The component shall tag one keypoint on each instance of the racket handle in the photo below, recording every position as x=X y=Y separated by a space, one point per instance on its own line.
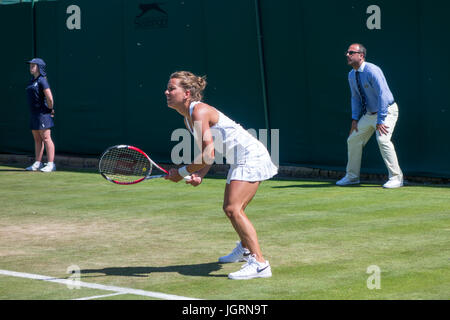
x=188 y=178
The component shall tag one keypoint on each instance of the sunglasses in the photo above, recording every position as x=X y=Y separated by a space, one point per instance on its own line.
x=352 y=52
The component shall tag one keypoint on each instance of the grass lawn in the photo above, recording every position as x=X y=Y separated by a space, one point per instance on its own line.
x=164 y=237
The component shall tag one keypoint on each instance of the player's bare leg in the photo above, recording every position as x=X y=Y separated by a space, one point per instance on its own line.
x=238 y=195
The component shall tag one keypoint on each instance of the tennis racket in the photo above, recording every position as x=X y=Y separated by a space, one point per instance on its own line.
x=126 y=165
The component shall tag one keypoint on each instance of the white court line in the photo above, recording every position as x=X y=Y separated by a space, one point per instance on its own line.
x=115 y=289
x=99 y=297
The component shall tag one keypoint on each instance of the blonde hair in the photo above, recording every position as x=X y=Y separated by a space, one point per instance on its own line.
x=190 y=82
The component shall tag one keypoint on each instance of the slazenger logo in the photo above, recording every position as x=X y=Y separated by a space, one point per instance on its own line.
x=151 y=16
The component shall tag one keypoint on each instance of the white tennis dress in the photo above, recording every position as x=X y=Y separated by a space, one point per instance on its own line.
x=248 y=158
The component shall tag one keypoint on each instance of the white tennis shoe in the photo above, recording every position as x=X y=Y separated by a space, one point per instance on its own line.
x=252 y=269
x=394 y=183
x=35 y=166
x=346 y=181
x=239 y=254
x=50 y=167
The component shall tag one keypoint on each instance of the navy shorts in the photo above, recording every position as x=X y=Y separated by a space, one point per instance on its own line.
x=41 y=121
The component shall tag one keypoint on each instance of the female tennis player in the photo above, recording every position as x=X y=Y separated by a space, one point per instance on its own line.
x=40 y=99
x=249 y=160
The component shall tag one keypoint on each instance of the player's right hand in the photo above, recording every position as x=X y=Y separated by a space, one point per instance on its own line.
x=173 y=176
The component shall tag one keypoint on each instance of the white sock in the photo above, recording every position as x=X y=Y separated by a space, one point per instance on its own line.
x=50 y=164
x=37 y=163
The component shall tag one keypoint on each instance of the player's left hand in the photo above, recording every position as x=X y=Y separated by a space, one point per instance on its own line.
x=382 y=129
x=195 y=180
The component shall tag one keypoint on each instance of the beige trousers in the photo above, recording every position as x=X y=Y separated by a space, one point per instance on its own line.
x=357 y=141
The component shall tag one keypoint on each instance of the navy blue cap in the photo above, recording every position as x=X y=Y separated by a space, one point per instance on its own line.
x=41 y=65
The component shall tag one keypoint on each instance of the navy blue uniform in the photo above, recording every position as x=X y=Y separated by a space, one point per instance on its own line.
x=40 y=113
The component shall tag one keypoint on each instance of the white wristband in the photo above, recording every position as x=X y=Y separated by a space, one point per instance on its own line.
x=183 y=172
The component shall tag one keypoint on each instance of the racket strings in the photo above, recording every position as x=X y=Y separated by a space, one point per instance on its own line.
x=125 y=165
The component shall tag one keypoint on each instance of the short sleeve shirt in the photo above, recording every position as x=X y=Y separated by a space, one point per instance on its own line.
x=36 y=96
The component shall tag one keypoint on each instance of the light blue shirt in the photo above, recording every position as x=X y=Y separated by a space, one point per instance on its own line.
x=374 y=85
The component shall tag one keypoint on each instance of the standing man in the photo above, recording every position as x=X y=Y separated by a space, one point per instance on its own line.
x=373 y=109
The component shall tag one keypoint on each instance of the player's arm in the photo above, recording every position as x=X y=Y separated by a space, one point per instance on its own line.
x=205 y=141
x=202 y=173
x=201 y=117
x=197 y=177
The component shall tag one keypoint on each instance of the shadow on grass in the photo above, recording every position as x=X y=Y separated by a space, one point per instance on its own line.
x=17 y=168
x=194 y=270
x=324 y=185
x=321 y=184
x=364 y=185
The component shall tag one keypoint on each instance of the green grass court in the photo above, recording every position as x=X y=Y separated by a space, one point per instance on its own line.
x=163 y=237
